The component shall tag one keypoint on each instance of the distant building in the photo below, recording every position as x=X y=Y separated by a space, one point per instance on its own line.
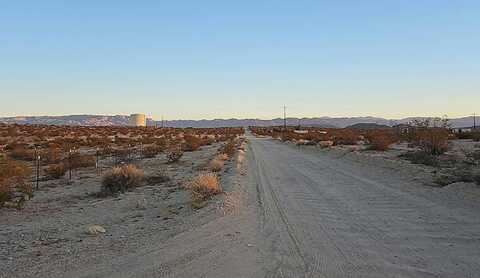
x=137 y=120
x=402 y=129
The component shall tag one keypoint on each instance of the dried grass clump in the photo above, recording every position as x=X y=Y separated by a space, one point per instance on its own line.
x=203 y=187
x=55 y=171
x=121 y=179
x=216 y=165
x=223 y=156
x=151 y=151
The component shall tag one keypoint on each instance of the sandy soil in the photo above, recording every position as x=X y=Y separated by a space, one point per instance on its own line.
x=48 y=239
x=337 y=213
x=289 y=211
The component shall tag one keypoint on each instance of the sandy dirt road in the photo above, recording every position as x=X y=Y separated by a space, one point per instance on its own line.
x=304 y=212
x=321 y=215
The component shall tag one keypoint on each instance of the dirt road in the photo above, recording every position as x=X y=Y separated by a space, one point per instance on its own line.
x=322 y=215
x=298 y=212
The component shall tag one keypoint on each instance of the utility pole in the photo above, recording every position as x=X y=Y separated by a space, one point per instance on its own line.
x=163 y=122
x=285 y=117
x=474 y=121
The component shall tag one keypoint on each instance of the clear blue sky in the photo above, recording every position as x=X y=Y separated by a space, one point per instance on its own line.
x=222 y=59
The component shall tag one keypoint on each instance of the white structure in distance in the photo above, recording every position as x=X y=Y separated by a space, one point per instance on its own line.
x=137 y=120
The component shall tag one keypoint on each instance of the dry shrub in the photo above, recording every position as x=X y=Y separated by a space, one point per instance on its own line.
x=22 y=153
x=431 y=135
x=380 y=140
x=81 y=161
x=192 y=143
x=216 y=165
x=157 y=178
x=55 y=171
x=53 y=155
x=174 y=155
x=473 y=157
x=476 y=136
x=345 y=137
x=432 y=140
x=205 y=186
x=421 y=157
x=223 y=156
x=121 y=179
x=229 y=148
x=13 y=176
x=151 y=151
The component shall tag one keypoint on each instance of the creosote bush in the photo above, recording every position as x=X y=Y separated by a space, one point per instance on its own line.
x=192 y=143
x=432 y=140
x=55 y=171
x=121 y=179
x=431 y=135
x=13 y=176
x=81 y=161
x=380 y=140
x=229 y=148
x=22 y=153
x=345 y=137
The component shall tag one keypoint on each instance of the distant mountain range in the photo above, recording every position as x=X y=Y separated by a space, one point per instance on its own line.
x=122 y=120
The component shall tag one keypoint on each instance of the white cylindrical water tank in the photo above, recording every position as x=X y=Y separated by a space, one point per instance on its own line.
x=138 y=120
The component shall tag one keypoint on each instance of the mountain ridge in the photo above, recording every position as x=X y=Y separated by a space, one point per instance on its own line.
x=122 y=120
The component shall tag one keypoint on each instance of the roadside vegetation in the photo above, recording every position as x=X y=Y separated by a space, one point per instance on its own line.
x=121 y=179
x=15 y=188
x=203 y=187
x=429 y=142
x=36 y=154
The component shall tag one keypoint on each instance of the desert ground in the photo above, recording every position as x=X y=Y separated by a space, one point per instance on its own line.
x=288 y=209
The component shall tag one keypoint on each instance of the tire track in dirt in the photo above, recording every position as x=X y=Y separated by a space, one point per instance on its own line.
x=345 y=219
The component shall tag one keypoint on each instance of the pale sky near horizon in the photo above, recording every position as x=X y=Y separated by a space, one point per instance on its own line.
x=242 y=59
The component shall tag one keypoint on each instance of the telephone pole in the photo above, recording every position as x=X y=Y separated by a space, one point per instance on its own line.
x=474 y=121
x=285 y=117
